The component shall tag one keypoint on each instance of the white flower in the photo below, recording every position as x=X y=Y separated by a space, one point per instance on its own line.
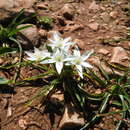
x=56 y=42
x=79 y=61
x=58 y=58
x=37 y=55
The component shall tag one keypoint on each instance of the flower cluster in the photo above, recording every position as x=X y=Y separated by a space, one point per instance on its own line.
x=61 y=55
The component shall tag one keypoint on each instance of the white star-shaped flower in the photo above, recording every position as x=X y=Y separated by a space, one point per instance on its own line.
x=79 y=61
x=56 y=42
x=38 y=55
x=58 y=58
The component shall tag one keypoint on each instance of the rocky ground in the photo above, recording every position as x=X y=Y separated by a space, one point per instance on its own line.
x=101 y=25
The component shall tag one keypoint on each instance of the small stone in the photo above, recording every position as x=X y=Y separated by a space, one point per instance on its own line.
x=1 y=61
x=42 y=32
x=28 y=37
x=3 y=75
x=95 y=129
x=42 y=5
x=119 y=56
x=102 y=8
x=101 y=125
x=103 y=51
x=114 y=14
x=73 y=27
x=94 y=60
x=16 y=59
x=9 y=111
x=70 y=23
x=67 y=11
x=71 y=119
x=98 y=91
x=58 y=95
x=22 y=124
x=10 y=7
x=105 y=16
x=80 y=43
x=93 y=6
x=94 y=26
x=110 y=71
x=129 y=44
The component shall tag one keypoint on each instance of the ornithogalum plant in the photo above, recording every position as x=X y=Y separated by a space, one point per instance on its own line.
x=67 y=66
x=61 y=55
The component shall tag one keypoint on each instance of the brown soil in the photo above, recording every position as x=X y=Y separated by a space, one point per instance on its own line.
x=41 y=117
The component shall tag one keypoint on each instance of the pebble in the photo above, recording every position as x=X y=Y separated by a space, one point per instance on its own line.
x=67 y=11
x=42 y=5
x=103 y=51
x=114 y=14
x=98 y=91
x=73 y=27
x=1 y=61
x=15 y=60
x=71 y=119
x=29 y=37
x=94 y=26
x=22 y=124
x=58 y=95
x=9 y=7
x=105 y=16
x=129 y=44
x=94 y=6
x=119 y=56
x=42 y=32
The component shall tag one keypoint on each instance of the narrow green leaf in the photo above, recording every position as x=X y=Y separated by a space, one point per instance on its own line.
x=105 y=102
x=3 y=81
x=117 y=103
x=90 y=123
x=43 y=92
x=97 y=78
x=4 y=50
x=13 y=32
x=104 y=73
x=15 y=19
x=94 y=97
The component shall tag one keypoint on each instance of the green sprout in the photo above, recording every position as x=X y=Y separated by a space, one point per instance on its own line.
x=11 y=30
x=45 y=20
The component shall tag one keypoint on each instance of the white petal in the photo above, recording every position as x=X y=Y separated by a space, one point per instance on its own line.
x=57 y=53
x=31 y=58
x=86 y=56
x=36 y=50
x=80 y=70
x=71 y=43
x=29 y=53
x=77 y=52
x=45 y=54
x=68 y=63
x=49 y=61
x=59 y=66
x=56 y=36
x=69 y=59
x=51 y=42
x=66 y=40
x=87 y=65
